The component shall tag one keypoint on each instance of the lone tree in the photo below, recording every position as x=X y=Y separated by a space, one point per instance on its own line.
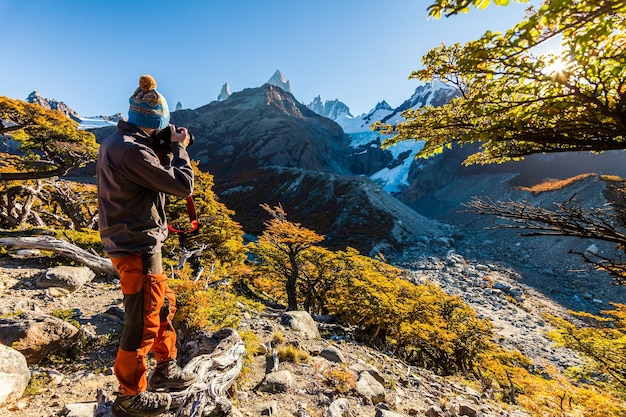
x=49 y=143
x=282 y=247
x=41 y=144
x=516 y=101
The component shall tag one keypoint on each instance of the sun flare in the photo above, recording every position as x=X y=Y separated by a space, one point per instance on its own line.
x=555 y=65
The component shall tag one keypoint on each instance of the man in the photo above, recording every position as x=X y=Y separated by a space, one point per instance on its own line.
x=132 y=186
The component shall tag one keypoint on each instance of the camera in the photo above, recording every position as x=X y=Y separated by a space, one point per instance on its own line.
x=163 y=137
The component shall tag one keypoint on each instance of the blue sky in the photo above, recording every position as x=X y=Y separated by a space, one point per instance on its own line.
x=90 y=53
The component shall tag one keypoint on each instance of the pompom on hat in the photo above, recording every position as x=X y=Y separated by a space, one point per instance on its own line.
x=148 y=107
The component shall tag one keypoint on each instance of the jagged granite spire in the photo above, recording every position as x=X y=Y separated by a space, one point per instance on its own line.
x=279 y=80
x=316 y=105
x=383 y=105
x=225 y=93
x=333 y=109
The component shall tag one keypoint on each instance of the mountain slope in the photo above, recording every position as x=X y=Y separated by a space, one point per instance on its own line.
x=260 y=127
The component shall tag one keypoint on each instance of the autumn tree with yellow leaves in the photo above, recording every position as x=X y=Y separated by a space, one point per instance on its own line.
x=41 y=145
x=282 y=246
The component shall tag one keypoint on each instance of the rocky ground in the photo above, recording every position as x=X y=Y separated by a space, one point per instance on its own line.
x=551 y=265
x=68 y=388
x=510 y=279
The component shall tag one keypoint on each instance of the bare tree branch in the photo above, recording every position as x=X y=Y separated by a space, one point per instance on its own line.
x=568 y=219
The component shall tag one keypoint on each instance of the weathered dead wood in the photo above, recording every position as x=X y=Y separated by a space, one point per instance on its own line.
x=216 y=359
x=92 y=261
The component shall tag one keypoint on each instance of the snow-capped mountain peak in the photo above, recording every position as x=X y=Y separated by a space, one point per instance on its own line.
x=332 y=109
x=279 y=80
x=225 y=93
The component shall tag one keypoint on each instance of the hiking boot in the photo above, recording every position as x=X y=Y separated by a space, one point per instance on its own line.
x=143 y=404
x=170 y=377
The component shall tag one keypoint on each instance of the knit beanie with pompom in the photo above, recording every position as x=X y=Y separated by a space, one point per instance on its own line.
x=148 y=108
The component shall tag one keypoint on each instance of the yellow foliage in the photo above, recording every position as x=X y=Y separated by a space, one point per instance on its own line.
x=341 y=380
x=602 y=344
x=277 y=338
x=50 y=142
x=293 y=354
x=208 y=309
x=218 y=241
x=545 y=391
x=554 y=184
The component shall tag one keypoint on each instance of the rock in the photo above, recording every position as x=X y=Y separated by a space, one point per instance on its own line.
x=434 y=411
x=114 y=313
x=55 y=377
x=467 y=410
x=339 y=408
x=360 y=367
x=301 y=322
x=56 y=292
x=38 y=336
x=275 y=382
x=369 y=388
x=269 y=408
x=592 y=249
x=332 y=354
x=517 y=293
x=14 y=374
x=68 y=277
x=386 y=413
x=80 y=409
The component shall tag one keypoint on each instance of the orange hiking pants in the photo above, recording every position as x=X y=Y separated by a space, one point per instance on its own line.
x=149 y=306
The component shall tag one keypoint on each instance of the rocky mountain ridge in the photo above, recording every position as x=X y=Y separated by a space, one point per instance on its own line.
x=52 y=104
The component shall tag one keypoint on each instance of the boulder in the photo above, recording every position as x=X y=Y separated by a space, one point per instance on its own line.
x=275 y=382
x=361 y=367
x=69 y=277
x=339 y=408
x=467 y=410
x=269 y=408
x=14 y=374
x=434 y=411
x=370 y=389
x=332 y=354
x=301 y=322
x=36 y=337
x=80 y=409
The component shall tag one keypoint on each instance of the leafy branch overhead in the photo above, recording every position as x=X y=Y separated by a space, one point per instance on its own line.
x=50 y=144
x=452 y=7
x=555 y=82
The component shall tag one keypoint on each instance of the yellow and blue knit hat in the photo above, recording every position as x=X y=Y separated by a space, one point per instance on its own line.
x=148 y=108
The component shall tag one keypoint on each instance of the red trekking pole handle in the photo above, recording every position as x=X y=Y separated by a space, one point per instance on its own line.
x=193 y=219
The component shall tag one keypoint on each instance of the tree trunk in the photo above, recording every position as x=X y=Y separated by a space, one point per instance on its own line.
x=15 y=212
x=291 y=287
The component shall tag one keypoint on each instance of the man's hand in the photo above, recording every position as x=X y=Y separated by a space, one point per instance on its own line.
x=182 y=136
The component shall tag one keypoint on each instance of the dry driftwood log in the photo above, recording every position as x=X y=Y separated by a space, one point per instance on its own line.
x=216 y=359
x=92 y=261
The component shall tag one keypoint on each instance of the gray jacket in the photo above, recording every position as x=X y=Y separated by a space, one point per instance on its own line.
x=132 y=184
